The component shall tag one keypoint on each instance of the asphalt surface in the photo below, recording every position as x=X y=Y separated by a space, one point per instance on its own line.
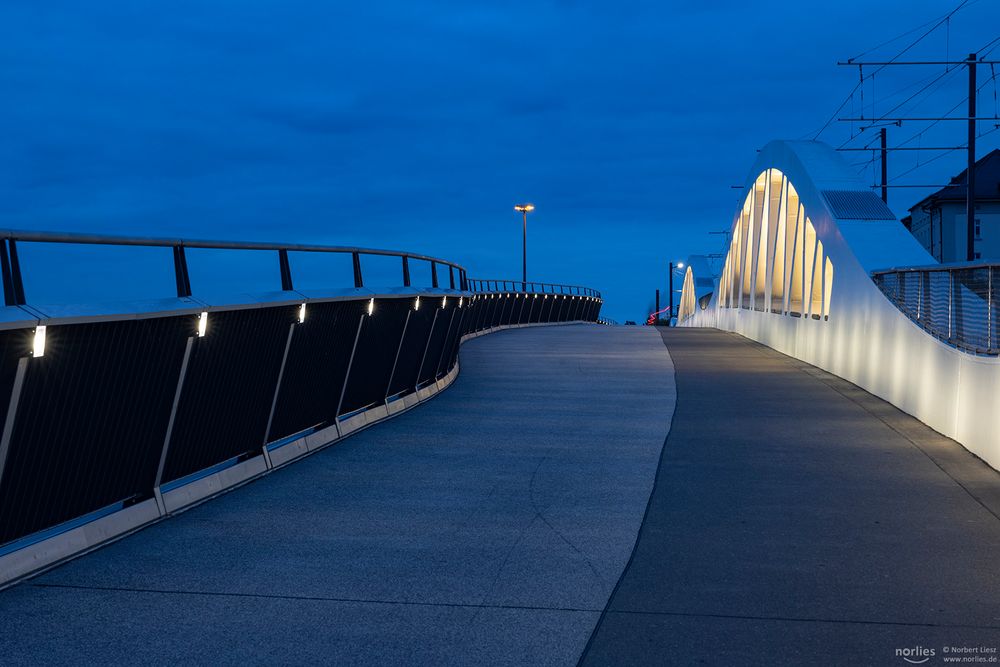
x=488 y=526
x=796 y=520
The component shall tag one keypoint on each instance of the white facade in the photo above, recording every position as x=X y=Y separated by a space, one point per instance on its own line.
x=797 y=278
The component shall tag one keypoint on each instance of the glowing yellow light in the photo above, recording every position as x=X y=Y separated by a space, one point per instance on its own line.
x=302 y=313
x=202 y=325
x=371 y=306
x=38 y=346
x=524 y=208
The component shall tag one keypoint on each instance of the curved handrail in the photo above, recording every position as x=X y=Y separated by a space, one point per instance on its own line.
x=167 y=242
x=13 y=284
x=500 y=284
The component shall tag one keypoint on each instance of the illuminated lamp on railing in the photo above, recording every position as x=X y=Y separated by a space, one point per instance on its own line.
x=460 y=301
x=202 y=324
x=302 y=313
x=416 y=304
x=38 y=345
x=371 y=306
x=444 y=301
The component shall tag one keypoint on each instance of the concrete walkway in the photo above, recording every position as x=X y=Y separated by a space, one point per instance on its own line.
x=798 y=520
x=486 y=527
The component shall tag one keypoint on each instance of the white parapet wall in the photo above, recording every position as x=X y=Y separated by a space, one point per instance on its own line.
x=797 y=277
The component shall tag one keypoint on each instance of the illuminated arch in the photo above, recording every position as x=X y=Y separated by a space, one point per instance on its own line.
x=796 y=276
x=783 y=261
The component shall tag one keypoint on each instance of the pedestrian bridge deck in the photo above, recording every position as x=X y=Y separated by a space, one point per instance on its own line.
x=514 y=519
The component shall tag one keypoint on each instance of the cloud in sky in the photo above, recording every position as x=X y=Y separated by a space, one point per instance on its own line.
x=418 y=125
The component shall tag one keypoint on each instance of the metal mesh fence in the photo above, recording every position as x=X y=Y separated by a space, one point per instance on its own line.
x=955 y=304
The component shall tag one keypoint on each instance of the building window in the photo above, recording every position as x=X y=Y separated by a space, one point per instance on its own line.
x=979 y=233
x=977 y=255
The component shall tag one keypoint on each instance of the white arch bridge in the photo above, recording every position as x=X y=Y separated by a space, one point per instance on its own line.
x=820 y=269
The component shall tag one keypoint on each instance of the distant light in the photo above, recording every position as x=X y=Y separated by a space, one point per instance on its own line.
x=460 y=299
x=535 y=297
x=444 y=301
x=202 y=324
x=524 y=208
x=680 y=265
x=416 y=304
x=371 y=306
x=38 y=347
x=302 y=313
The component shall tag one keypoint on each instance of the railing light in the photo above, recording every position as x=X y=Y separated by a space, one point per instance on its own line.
x=460 y=299
x=202 y=324
x=416 y=304
x=302 y=313
x=444 y=301
x=38 y=347
x=371 y=306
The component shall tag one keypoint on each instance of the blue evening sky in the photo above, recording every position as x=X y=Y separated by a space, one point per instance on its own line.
x=418 y=125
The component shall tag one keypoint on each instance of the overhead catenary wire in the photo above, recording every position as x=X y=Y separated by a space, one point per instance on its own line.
x=936 y=24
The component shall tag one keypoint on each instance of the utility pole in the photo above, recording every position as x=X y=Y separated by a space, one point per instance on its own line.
x=970 y=174
x=670 y=315
x=657 y=310
x=885 y=169
x=970 y=119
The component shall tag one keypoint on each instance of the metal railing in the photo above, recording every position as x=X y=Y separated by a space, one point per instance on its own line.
x=953 y=302
x=490 y=285
x=128 y=410
x=13 y=283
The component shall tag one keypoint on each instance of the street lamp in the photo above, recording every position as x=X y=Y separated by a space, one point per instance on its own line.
x=680 y=265
x=524 y=209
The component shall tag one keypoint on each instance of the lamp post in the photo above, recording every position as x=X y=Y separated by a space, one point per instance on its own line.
x=524 y=209
x=680 y=265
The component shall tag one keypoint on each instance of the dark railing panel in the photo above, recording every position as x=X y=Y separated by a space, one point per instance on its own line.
x=548 y=304
x=485 y=317
x=91 y=418
x=536 y=309
x=510 y=303
x=378 y=340
x=228 y=389
x=450 y=355
x=523 y=307
x=411 y=350
x=316 y=367
x=565 y=307
x=436 y=342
